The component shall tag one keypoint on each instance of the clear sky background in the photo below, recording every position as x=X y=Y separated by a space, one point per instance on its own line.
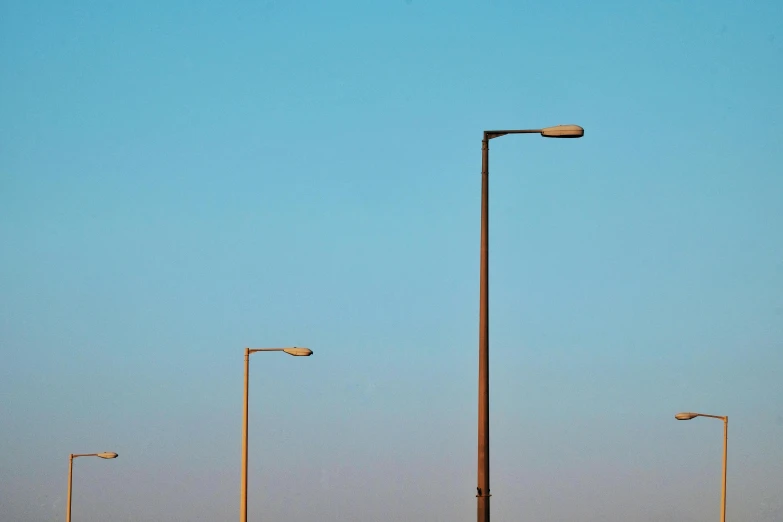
x=181 y=179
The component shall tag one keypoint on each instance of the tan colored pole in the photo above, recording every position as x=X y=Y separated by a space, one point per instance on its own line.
x=482 y=488
x=725 y=419
x=70 y=488
x=725 y=453
x=243 y=486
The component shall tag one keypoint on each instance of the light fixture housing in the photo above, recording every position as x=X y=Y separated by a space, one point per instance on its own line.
x=563 y=131
x=298 y=351
x=686 y=416
x=108 y=455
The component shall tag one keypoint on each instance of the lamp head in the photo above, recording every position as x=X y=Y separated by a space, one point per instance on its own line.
x=299 y=352
x=686 y=416
x=563 y=131
x=108 y=455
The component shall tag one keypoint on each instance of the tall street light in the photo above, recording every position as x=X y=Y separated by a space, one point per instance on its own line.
x=106 y=455
x=482 y=490
x=298 y=352
x=725 y=419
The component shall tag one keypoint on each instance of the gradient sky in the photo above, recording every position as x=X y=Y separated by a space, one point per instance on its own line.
x=181 y=179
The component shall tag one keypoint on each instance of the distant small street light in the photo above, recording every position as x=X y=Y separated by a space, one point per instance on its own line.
x=105 y=455
x=295 y=351
x=725 y=419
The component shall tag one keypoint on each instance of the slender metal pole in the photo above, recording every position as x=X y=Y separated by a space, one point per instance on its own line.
x=243 y=486
x=725 y=451
x=70 y=488
x=482 y=490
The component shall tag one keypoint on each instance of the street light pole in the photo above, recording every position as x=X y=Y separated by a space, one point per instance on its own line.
x=299 y=352
x=105 y=455
x=725 y=454
x=243 y=486
x=725 y=419
x=70 y=488
x=482 y=488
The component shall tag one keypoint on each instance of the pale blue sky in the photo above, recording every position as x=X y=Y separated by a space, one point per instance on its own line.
x=181 y=179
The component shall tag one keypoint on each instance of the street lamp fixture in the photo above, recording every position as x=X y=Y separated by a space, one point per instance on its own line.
x=296 y=351
x=105 y=455
x=482 y=489
x=725 y=419
x=686 y=416
x=563 y=131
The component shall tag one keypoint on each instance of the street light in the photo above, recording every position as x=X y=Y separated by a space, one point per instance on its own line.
x=725 y=419
x=295 y=351
x=482 y=489
x=105 y=455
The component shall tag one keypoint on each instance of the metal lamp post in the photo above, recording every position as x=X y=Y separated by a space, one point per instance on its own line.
x=482 y=489
x=299 y=352
x=105 y=455
x=725 y=419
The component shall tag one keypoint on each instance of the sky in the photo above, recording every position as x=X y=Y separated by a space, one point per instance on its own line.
x=180 y=180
